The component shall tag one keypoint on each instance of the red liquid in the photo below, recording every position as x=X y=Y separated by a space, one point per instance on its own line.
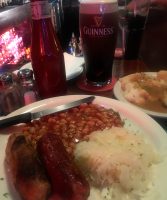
x=99 y=36
x=47 y=59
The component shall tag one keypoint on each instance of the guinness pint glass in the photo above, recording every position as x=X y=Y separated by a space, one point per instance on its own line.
x=98 y=29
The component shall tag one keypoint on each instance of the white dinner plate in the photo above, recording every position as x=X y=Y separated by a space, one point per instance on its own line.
x=118 y=93
x=73 y=66
x=135 y=120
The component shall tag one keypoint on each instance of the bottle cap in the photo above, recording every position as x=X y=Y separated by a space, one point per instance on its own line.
x=6 y=78
x=25 y=74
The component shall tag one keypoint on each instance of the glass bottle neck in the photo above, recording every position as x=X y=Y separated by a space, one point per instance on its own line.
x=40 y=10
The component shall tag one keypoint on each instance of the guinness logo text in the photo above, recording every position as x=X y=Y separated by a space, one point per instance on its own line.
x=97 y=31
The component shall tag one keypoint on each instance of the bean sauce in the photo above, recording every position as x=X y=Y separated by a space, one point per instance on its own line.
x=73 y=125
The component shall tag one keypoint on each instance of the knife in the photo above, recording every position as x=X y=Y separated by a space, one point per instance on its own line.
x=27 y=117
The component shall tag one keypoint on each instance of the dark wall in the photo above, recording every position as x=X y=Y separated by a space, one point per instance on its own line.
x=154 y=43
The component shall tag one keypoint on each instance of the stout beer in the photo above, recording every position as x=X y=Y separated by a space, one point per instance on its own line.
x=133 y=18
x=98 y=28
x=134 y=33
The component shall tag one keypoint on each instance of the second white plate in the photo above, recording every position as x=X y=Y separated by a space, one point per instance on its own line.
x=118 y=93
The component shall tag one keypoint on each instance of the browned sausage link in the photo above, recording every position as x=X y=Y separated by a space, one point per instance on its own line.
x=27 y=172
x=67 y=181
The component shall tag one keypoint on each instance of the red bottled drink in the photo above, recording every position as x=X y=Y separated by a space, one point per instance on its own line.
x=46 y=53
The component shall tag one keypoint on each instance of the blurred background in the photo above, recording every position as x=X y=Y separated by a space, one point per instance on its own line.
x=15 y=29
x=15 y=32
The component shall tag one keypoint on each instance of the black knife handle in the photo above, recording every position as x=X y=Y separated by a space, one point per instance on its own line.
x=22 y=118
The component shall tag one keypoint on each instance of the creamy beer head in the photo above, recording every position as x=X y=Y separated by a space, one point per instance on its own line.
x=98 y=1
x=105 y=6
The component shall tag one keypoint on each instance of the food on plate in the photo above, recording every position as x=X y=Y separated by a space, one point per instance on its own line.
x=67 y=181
x=25 y=171
x=71 y=126
x=117 y=164
x=74 y=124
x=146 y=90
x=162 y=75
x=43 y=173
x=85 y=150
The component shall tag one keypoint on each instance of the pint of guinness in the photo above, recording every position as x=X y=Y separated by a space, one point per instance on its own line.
x=98 y=29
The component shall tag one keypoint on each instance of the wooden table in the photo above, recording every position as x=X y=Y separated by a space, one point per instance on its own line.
x=121 y=68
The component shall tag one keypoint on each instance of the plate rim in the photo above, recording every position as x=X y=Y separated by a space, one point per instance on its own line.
x=117 y=91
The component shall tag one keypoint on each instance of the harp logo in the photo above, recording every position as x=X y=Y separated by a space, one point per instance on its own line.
x=98 y=21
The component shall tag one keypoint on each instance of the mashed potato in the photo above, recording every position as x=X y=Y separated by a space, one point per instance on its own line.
x=117 y=164
x=141 y=88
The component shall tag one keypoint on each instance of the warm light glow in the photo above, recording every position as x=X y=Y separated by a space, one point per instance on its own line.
x=28 y=53
x=12 y=49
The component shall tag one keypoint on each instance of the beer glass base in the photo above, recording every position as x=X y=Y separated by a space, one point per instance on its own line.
x=83 y=84
x=98 y=84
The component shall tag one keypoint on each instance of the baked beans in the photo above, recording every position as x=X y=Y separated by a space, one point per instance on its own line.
x=73 y=125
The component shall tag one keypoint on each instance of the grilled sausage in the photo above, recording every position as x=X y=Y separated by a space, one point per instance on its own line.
x=25 y=169
x=66 y=180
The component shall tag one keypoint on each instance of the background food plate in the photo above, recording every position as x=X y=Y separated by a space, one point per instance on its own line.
x=135 y=120
x=73 y=66
x=118 y=93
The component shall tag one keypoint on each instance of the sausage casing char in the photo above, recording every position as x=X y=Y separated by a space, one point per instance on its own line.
x=67 y=181
x=25 y=169
x=50 y=176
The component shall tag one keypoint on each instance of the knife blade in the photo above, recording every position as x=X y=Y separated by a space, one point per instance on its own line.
x=27 y=117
